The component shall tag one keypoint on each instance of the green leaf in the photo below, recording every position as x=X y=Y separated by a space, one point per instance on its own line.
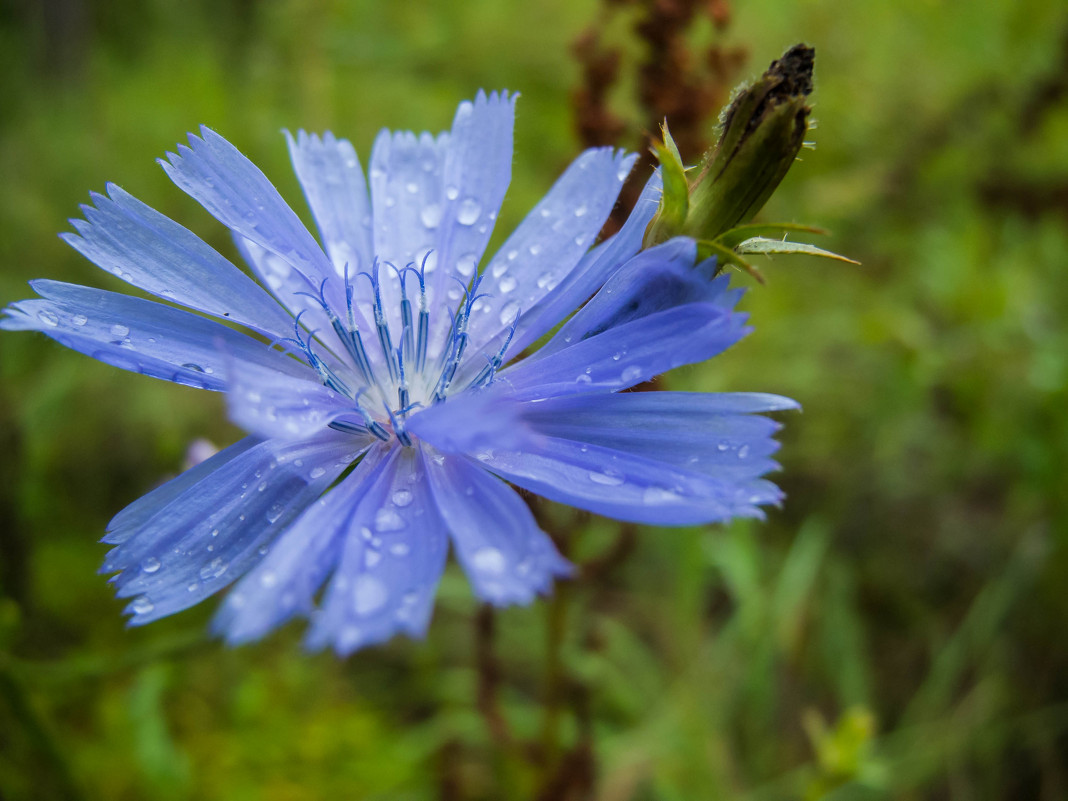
x=763 y=246
x=675 y=201
x=735 y=236
x=707 y=249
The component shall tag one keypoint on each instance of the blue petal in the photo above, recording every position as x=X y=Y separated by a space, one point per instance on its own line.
x=141 y=335
x=237 y=194
x=140 y=245
x=393 y=555
x=507 y=558
x=712 y=434
x=549 y=243
x=285 y=582
x=476 y=174
x=267 y=403
x=130 y=520
x=628 y=354
x=596 y=267
x=657 y=279
x=333 y=182
x=627 y=486
x=218 y=527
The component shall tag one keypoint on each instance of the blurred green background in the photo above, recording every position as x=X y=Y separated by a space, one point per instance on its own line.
x=896 y=630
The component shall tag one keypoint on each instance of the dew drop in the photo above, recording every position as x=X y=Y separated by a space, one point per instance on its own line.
x=49 y=318
x=213 y=569
x=581 y=210
x=508 y=283
x=412 y=187
x=606 y=478
x=723 y=446
x=431 y=215
x=388 y=520
x=469 y=211
x=488 y=560
x=632 y=373
x=371 y=558
x=545 y=281
x=119 y=331
x=535 y=249
x=743 y=451
x=79 y=319
x=142 y=605
x=498 y=268
x=508 y=312
x=150 y=565
x=275 y=512
x=465 y=265
x=368 y=594
x=583 y=379
x=402 y=497
x=215 y=532
x=317 y=472
x=655 y=496
x=192 y=587
x=400 y=549
x=262 y=550
x=268 y=579
x=262 y=486
x=451 y=192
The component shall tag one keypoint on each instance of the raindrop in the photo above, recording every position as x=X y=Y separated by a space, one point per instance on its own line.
x=79 y=319
x=583 y=379
x=465 y=265
x=402 y=497
x=545 y=281
x=488 y=560
x=192 y=587
x=262 y=486
x=196 y=368
x=723 y=446
x=632 y=373
x=412 y=187
x=142 y=605
x=388 y=520
x=262 y=550
x=214 y=569
x=369 y=594
x=535 y=249
x=655 y=496
x=371 y=558
x=743 y=451
x=150 y=565
x=48 y=318
x=607 y=479
x=508 y=313
x=119 y=331
x=498 y=268
x=317 y=472
x=451 y=192
x=400 y=549
x=215 y=532
x=268 y=579
x=275 y=512
x=581 y=210
x=431 y=215
x=469 y=211
x=508 y=283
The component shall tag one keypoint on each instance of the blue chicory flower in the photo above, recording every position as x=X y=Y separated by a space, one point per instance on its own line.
x=392 y=408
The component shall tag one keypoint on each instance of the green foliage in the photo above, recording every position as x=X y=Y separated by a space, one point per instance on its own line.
x=896 y=630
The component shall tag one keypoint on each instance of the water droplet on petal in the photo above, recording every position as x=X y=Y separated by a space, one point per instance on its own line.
x=488 y=560
x=268 y=579
x=412 y=187
x=119 y=331
x=317 y=472
x=581 y=210
x=508 y=283
x=632 y=373
x=535 y=249
x=508 y=312
x=607 y=478
x=150 y=564
x=388 y=520
x=431 y=215
x=583 y=379
x=48 y=318
x=743 y=451
x=723 y=446
x=262 y=550
x=469 y=211
x=402 y=497
x=451 y=192
x=400 y=549
x=368 y=594
x=79 y=319
x=655 y=496
x=142 y=605
x=465 y=265
x=371 y=558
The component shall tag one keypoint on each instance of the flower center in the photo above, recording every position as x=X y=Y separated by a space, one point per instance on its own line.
x=386 y=391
